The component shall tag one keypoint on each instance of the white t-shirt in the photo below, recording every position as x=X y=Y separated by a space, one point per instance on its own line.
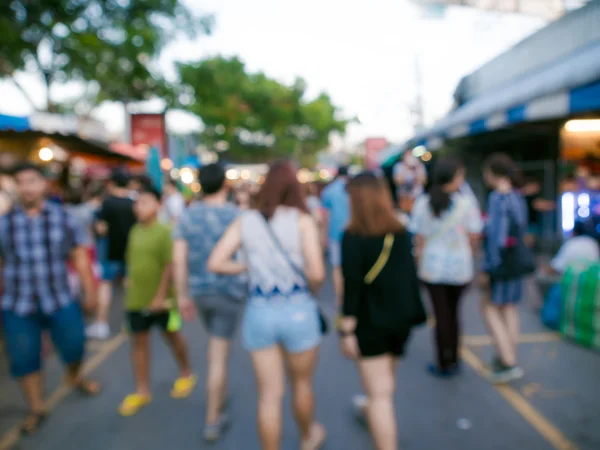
x=174 y=207
x=409 y=174
x=578 y=248
x=447 y=257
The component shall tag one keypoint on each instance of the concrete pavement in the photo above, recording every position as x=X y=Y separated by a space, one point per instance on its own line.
x=557 y=405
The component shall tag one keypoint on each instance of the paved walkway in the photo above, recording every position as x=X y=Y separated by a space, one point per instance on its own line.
x=556 y=406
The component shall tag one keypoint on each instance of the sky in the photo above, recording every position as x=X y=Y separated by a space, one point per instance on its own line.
x=363 y=53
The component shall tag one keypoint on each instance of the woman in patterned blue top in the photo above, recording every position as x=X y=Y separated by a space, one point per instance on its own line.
x=505 y=205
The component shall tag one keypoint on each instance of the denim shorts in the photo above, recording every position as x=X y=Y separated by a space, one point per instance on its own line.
x=111 y=270
x=292 y=322
x=23 y=335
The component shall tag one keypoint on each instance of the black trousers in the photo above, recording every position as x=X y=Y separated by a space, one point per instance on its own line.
x=445 y=299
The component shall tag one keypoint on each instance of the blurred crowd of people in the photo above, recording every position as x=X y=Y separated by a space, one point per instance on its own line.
x=258 y=254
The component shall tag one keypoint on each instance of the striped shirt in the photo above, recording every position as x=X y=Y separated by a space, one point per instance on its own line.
x=34 y=252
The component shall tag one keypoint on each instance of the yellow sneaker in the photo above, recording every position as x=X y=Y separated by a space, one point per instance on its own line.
x=133 y=403
x=184 y=386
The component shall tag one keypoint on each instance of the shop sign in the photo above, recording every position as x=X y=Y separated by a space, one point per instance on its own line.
x=150 y=130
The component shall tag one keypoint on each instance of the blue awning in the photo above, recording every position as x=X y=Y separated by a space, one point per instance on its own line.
x=389 y=154
x=564 y=88
x=14 y=123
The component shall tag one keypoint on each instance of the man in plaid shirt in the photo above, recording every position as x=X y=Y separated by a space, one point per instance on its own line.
x=37 y=240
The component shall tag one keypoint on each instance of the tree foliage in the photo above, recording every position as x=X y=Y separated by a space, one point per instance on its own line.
x=256 y=117
x=110 y=44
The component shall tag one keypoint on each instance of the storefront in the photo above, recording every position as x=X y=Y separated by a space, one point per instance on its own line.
x=545 y=115
x=580 y=187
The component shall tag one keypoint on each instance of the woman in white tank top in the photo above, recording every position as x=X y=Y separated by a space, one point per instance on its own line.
x=282 y=254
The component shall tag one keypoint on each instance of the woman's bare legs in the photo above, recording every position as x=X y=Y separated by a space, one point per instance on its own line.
x=270 y=381
x=498 y=328
x=510 y=313
x=301 y=369
x=379 y=381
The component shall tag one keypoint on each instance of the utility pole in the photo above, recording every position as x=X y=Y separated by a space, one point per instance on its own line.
x=417 y=109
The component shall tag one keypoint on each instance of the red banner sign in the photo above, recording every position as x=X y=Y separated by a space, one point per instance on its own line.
x=151 y=130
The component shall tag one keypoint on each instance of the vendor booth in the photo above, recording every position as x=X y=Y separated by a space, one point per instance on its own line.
x=73 y=150
x=540 y=103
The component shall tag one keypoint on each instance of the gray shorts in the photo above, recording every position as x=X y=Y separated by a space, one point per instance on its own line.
x=219 y=313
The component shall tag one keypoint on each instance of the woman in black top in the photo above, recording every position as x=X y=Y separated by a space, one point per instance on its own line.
x=382 y=301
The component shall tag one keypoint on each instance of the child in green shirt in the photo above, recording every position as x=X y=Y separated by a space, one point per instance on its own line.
x=150 y=302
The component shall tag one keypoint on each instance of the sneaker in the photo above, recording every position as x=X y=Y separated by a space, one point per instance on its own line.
x=496 y=364
x=359 y=407
x=214 y=432
x=435 y=370
x=503 y=375
x=100 y=331
x=90 y=330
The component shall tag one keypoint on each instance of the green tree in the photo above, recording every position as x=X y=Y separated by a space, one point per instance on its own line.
x=255 y=117
x=110 y=45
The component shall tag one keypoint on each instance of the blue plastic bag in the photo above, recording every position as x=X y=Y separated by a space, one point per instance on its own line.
x=551 y=312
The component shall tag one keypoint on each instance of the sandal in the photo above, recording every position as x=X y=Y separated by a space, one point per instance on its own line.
x=32 y=423
x=89 y=388
x=318 y=436
x=133 y=403
x=184 y=386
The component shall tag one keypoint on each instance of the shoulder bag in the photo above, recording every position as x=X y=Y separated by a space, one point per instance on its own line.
x=419 y=314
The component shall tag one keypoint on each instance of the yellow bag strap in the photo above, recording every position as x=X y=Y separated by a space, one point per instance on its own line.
x=382 y=260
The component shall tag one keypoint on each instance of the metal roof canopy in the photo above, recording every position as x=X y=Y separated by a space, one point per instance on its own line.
x=70 y=142
x=565 y=86
x=543 y=94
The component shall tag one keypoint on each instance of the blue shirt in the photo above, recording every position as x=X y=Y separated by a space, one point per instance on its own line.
x=336 y=201
x=34 y=253
x=201 y=226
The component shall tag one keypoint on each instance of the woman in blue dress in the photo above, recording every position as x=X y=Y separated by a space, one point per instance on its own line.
x=500 y=305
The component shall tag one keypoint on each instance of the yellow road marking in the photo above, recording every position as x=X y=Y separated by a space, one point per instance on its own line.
x=12 y=437
x=532 y=338
x=94 y=346
x=529 y=390
x=543 y=426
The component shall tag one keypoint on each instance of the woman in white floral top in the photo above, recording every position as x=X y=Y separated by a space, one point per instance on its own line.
x=446 y=225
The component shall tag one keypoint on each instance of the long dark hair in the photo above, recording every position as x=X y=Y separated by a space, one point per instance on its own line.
x=502 y=165
x=371 y=207
x=281 y=188
x=444 y=172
